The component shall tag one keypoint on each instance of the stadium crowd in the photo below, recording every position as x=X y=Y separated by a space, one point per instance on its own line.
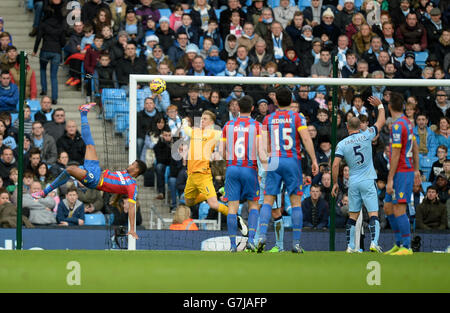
x=109 y=40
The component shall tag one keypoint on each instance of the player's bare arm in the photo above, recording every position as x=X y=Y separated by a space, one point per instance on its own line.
x=376 y=102
x=131 y=217
x=415 y=152
x=335 y=171
x=309 y=146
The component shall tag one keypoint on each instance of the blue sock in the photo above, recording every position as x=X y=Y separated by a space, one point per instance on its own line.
x=405 y=231
x=59 y=181
x=252 y=224
x=232 y=229
x=393 y=222
x=264 y=217
x=278 y=226
x=86 y=130
x=374 y=227
x=350 y=233
x=297 y=224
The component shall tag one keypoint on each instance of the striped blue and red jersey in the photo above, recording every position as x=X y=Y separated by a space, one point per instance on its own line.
x=240 y=136
x=284 y=138
x=402 y=137
x=119 y=182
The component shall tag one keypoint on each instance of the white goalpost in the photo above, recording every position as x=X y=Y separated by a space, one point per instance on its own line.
x=213 y=80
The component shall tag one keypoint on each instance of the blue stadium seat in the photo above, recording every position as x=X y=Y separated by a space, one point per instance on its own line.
x=425 y=185
x=35 y=105
x=302 y=4
x=165 y=12
x=421 y=58
x=121 y=122
x=97 y=219
x=425 y=164
x=218 y=11
x=141 y=95
x=14 y=117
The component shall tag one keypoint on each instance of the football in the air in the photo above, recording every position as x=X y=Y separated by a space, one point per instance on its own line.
x=157 y=85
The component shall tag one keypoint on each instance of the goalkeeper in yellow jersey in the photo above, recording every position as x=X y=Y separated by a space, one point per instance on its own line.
x=199 y=185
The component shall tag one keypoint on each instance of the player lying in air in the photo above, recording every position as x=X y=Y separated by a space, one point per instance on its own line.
x=91 y=175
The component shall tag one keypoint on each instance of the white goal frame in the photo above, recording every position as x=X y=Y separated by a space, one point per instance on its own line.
x=213 y=80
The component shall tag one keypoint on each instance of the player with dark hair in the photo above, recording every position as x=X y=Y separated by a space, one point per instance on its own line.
x=241 y=142
x=286 y=129
x=404 y=170
x=91 y=175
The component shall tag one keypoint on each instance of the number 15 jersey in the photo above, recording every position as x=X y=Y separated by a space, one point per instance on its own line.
x=356 y=149
x=283 y=127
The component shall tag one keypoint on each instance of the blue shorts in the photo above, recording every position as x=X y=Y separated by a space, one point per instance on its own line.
x=403 y=187
x=363 y=192
x=262 y=186
x=289 y=171
x=241 y=183
x=94 y=172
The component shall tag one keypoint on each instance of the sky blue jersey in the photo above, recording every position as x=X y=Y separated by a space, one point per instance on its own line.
x=356 y=149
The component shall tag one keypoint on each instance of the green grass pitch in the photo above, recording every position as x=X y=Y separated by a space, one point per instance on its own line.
x=197 y=271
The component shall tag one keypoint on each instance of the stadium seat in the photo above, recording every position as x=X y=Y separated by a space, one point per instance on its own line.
x=14 y=117
x=425 y=164
x=302 y=4
x=425 y=185
x=121 y=122
x=141 y=95
x=165 y=12
x=97 y=219
x=218 y=11
x=421 y=58
x=35 y=105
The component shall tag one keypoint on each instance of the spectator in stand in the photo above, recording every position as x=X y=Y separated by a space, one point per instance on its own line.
x=147 y=10
x=119 y=207
x=182 y=218
x=74 y=55
x=328 y=27
x=7 y=162
x=130 y=63
x=91 y=8
x=9 y=93
x=41 y=210
x=45 y=114
x=324 y=67
x=57 y=125
x=132 y=26
x=431 y=213
x=412 y=33
x=354 y=27
x=232 y=113
x=42 y=174
x=27 y=120
x=70 y=210
x=118 y=10
x=315 y=210
x=72 y=142
x=344 y=17
x=442 y=132
x=145 y=120
x=92 y=199
x=104 y=74
x=51 y=32
x=90 y=62
x=313 y=13
x=425 y=137
x=30 y=83
x=192 y=105
x=8 y=212
x=177 y=51
x=409 y=68
x=5 y=42
x=284 y=13
x=9 y=59
x=434 y=28
x=174 y=122
x=201 y=14
x=248 y=38
x=163 y=159
x=438 y=165
x=399 y=14
x=102 y=19
x=38 y=6
x=44 y=142
x=33 y=158
x=60 y=165
x=260 y=54
x=192 y=32
x=7 y=140
x=277 y=40
x=213 y=63
x=442 y=187
x=440 y=108
x=362 y=39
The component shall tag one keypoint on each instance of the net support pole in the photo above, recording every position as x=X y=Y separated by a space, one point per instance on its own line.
x=20 y=150
x=132 y=146
x=333 y=150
